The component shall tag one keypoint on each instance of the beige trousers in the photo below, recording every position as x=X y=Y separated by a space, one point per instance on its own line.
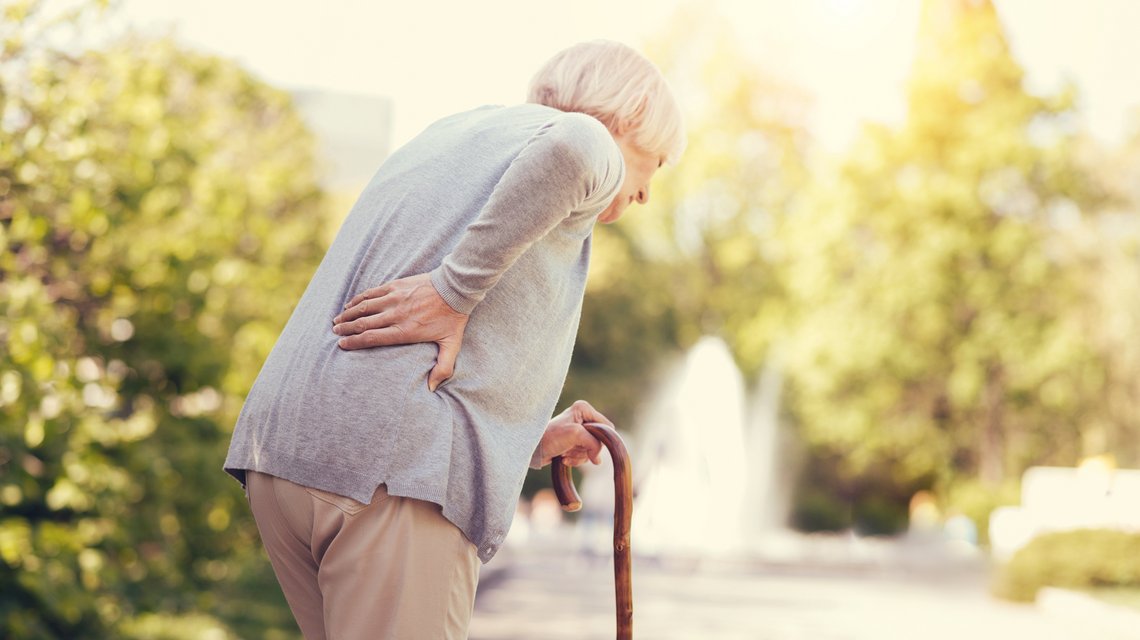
x=392 y=569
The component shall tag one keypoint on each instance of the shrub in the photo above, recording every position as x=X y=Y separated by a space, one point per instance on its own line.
x=878 y=515
x=159 y=218
x=1072 y=559
x=818 y=511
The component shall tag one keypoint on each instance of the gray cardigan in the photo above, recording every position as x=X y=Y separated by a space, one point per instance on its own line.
x=498 y=204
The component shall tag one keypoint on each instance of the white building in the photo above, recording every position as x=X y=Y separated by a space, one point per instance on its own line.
x=1092 y=496
x=354 y=135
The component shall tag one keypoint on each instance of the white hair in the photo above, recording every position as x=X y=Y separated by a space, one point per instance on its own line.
x=620 y=87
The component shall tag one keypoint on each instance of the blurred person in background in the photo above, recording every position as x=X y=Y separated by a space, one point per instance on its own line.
x=384 y=444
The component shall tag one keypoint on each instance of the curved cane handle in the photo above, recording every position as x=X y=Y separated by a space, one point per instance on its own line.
x=564 y=486
x=623 y=512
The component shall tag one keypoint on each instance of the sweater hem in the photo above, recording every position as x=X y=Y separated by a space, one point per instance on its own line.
x=351 y=484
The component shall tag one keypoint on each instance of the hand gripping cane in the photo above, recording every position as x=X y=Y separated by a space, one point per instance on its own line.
x=623 y=510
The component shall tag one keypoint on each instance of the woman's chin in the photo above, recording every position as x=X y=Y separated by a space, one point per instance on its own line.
x=609 y=216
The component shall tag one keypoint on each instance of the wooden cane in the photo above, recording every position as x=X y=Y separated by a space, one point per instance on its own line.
x=623 y=511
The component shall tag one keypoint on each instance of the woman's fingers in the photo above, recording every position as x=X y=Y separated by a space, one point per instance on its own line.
x=362 y=324
x=444 y=363
x=374 y=292
x=374 y=338
x=602 y=419
x=593 y=448
x=573 y=459
x=588 y=448
x=370 y=306
x=587 y=413
x=579 y=456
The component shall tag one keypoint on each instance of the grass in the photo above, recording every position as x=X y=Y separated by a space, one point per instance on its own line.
x=1119 y=596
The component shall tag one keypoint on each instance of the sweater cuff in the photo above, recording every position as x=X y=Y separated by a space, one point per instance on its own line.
x=453 y=298
x=536 y=457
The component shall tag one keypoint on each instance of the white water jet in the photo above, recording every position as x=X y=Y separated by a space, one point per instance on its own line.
x=768 y=494
x=690 y=467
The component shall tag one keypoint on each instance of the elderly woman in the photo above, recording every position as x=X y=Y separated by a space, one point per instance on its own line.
x=384 y=444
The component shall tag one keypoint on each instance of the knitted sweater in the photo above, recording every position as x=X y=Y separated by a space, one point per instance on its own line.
x=498 y=204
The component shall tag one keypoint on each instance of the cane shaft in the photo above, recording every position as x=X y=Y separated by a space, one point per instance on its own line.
x=623 y=512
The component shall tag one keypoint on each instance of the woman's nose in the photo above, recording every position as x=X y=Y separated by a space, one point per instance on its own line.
x=643 y=195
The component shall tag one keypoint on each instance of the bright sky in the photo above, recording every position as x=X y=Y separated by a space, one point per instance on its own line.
x=435 y=57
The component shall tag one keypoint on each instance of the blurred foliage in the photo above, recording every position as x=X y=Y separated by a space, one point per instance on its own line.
x=977 y=499
x=941 y=285
x=874 y=503
x=1117 y=596
x=1073 y=560
x=159 y=221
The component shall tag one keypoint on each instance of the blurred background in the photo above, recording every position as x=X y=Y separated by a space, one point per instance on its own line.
x=877 y=329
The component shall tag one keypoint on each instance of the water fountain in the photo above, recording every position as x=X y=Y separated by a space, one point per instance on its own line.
x=703 y=469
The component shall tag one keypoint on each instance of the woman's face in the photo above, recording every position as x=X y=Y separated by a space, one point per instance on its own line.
x=639 y=170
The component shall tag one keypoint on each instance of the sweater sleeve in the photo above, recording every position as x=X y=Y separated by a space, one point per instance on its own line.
x=536 y=456
x=571 y=164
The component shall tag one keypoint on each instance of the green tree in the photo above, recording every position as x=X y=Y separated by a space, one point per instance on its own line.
x=159 y=218
x=937 y=298
x=1110 y=246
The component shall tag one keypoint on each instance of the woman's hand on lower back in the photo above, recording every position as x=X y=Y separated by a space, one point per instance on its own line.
x=404 y=311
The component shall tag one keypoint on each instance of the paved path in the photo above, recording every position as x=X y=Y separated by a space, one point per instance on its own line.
x=550 y=592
